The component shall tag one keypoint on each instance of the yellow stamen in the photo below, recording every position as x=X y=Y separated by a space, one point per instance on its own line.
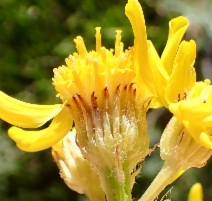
x=118 y=44
x=90 y=72
x=98 y=39
x=80 y=46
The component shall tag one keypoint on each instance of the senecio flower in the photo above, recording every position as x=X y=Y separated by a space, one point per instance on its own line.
x=107 y=94
x=186 y=141
x=187 y=99
x=176 y=86
x=109 y=81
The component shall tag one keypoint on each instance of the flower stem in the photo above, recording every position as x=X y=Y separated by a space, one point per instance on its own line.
x=115 y=189
x=166 y=174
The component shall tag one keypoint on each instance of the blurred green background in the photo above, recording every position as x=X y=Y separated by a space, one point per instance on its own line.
x=37 y=35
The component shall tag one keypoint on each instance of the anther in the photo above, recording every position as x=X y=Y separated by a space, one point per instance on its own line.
x=184 y=96
x=134 y=92
x=106 y=94
x=68 y=106
x=93 y=101
x=178 y=97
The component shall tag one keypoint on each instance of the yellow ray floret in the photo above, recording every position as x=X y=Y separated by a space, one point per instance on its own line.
x=134 y=12
x=38 y=140
x=26 y=115
x=196 y=113
x=161 y=77
x=177 y=28
x=183 y=75
x=174 y=70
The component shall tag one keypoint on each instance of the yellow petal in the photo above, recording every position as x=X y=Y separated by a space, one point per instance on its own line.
x=174 y=108
x=160 y=76
x=26 y=115
x=38 y=140
x=196 y=193
x=177 y=28
x=183 y=75
x=206 y=140
x=134 y=12
x=193 y=110
x=199 y=133
x=155 y=103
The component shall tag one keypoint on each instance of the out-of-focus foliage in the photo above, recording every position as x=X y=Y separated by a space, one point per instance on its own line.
x=36 y=36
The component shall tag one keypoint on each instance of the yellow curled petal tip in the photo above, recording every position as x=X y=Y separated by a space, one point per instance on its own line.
x=194 y=111
x=205 y=140
x=177 y=28
x=183 y=76
x=24 y=114
x=32 y=141
x=134 y=12
x=160 y=76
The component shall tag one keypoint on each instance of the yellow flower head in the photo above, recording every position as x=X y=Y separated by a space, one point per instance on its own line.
x=177 y=146
x=96 y=74
x=173 y=73
x=106 y=93
x=108 y=97
x=115 y=82
x=195 y=113
x=186 y=142
x=176 y=87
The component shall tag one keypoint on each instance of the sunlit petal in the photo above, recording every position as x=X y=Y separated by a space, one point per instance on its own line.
x=199 y=133
x=26 y=115
x=134 y=12
x=193 y=110
x=155 y=103
x=183 y=75
x=177 y=28
x=160 y=76
x=39 y=140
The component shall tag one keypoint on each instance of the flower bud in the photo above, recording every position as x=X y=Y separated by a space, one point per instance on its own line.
x=178 y=145
x=76 y=171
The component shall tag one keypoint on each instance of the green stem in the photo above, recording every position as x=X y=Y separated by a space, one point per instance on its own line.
x=166 y=174
x=114 y=189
